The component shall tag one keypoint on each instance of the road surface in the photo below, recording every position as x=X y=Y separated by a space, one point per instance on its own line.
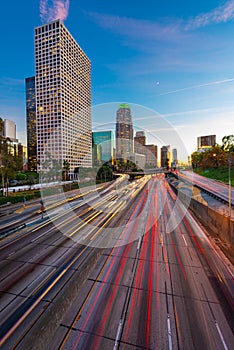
x=124 y=282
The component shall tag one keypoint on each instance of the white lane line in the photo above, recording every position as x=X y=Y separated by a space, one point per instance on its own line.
x=185 y=241
x=221 y=336
x=169 y=332
x=139 y=243
x=38 y=237
x=11 y=254
x=118 y=335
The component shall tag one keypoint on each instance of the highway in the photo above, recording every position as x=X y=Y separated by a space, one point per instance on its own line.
x=106 y=272
x=219 y=189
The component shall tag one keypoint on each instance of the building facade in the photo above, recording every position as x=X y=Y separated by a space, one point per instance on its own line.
x=137 y=159
x=165 y=156
x=139 y=142
x=124 y=131
x=9 y=129
x=151 y=155
x=63 y=98
x=105 y=140
x=174 y=156
x=149 y=151
x=31 y=123
x=206 y=142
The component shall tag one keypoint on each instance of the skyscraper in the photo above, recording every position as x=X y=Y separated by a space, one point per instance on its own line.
x=31 y=123
x=165 y=156
x=174 y=156
x=124 y=131
x=63 y=98
x=139 y=142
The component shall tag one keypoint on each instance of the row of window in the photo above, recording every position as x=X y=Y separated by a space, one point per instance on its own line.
x=47 y=27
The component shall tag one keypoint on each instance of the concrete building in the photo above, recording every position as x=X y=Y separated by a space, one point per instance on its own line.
x=63 y=98
x=31 y=123
x=206 y=142
x=10 y=145
x=174 y=158
x=151 y=155
x=174 y=155
x=139 y=142
x=124 y=131
x=9 y=130
x=105 y=140
x=137 y=159
x=149 y=151
x=165 y=156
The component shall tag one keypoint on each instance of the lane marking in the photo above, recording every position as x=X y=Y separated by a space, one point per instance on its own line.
x=139 y=243
x=169 y=332
x=221 y=336
x=11 y=254
x=118 y=335
x=185 y=241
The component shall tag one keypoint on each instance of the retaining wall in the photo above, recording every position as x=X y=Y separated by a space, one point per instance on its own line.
x=220 y=224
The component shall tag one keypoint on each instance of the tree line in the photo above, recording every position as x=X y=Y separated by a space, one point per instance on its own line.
x=216 y=157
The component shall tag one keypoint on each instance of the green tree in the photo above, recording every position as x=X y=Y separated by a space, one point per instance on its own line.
x=7 y=163
x=66 y=169
x=214 y=158
x=228 y=143
x=104 y=173
x=196 y=159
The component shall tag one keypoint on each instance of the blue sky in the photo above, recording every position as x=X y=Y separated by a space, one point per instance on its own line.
x=172 y=57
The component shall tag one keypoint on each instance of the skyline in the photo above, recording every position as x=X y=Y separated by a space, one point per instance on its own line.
x=174 y=59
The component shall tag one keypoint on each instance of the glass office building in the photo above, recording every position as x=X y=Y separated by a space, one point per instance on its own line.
x=105 y=141
x=124 y=131
x=31 y=123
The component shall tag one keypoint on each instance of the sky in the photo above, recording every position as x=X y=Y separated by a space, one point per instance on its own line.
x=172 y=61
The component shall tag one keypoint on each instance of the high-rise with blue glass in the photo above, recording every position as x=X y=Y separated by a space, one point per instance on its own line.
x=105 y=142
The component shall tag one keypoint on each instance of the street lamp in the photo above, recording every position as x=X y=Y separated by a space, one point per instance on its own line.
x=215 y=160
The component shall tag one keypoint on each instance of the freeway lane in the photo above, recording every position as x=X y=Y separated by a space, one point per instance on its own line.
x=156 y=293
x=163 y=290
x=36 y=268
x=218 y=188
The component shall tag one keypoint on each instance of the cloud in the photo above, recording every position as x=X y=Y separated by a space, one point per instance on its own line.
x=198 y=86
x=165 y=29
x=220 y=14
x=51 y=10
x=138 y=29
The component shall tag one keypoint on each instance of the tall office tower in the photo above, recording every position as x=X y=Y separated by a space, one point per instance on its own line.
x=31 y=123
x=139 y=142
x=105 y=139
x=206 y=142
x=165 y=155
x=9 y=129
x=124 y=131
x=174 y=156
x=63 y=98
